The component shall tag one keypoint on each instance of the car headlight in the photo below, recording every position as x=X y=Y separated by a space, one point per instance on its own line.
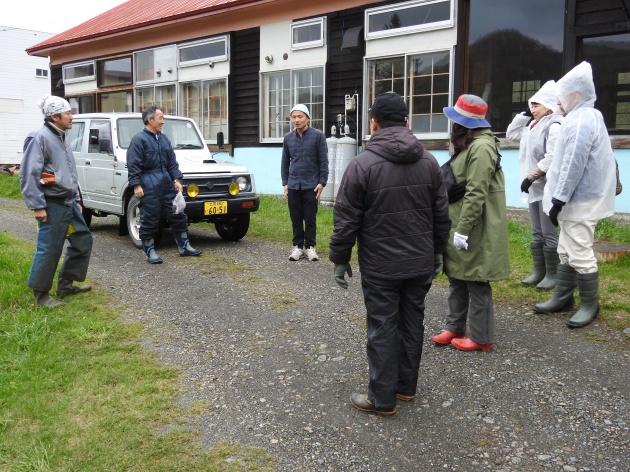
x=242 y=183
x=234 y=189
x=192 y=190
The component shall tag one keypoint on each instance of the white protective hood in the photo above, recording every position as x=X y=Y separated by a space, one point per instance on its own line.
x=582 y=173
x=546 y=96
x=576 y=88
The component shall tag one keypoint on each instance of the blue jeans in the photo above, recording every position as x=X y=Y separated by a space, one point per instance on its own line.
x=50 y=241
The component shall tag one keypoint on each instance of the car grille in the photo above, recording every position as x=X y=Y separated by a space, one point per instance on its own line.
x=210 y=185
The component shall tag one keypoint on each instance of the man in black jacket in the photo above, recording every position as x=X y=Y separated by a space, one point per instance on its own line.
x=393 y=202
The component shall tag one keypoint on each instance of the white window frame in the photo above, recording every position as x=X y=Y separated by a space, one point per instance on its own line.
x=41 y=73
x=209 y=59
x=79 y=79
x=156 y=86
x=407 y=56
x=182 y=106
x=264 y=94
x=408 y=29
x=309 y=44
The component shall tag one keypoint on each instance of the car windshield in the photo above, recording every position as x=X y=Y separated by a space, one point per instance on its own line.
x=181 y=133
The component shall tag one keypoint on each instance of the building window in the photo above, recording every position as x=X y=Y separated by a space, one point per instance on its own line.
x=82 y=104
x=205 y=101
x=112 y=72
x=41 y=73
x=611 y=74
x=144 y=66
x=162 y=96
x=512 y=52
x=423 y=80
x=408 y=17
x=215 y=50
x=78 y=72
x=115 y=101
x=282 y=90
x=308 y=34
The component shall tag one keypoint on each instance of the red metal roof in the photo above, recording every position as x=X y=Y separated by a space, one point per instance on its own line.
x=133 y=14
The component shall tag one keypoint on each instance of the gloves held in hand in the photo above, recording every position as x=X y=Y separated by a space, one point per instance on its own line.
x=460 y=241
x=340 y=271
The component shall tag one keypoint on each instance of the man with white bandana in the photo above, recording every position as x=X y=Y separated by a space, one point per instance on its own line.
x=55 y=201
x=580 y=191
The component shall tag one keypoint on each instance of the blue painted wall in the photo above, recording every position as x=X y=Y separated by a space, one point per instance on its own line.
x=265 y=164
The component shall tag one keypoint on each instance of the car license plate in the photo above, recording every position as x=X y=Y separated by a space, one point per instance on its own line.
x=215 y=208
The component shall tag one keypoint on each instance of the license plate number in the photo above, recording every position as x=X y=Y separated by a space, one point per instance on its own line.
x=215 y=208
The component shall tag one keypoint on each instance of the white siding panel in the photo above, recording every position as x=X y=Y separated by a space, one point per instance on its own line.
x=20 y=89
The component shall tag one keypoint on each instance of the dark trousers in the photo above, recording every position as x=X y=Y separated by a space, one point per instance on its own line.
x=51 y=238
x=472 y=301
x=395 y=332
x=303 y=213
x=156 y=202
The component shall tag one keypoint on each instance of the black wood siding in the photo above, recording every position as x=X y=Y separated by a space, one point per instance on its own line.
x=244 y=88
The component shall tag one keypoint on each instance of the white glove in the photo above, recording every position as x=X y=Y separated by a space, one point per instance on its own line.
x=460 y=241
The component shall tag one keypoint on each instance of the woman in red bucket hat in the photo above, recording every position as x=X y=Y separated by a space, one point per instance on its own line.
x=477 y=252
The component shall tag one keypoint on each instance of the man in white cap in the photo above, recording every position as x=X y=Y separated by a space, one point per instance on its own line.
x=304 y=173
x=50 y=187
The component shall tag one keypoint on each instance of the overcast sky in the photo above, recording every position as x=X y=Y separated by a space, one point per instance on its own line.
x=50 y=16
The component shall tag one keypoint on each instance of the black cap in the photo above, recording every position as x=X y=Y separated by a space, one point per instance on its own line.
x=390 y=107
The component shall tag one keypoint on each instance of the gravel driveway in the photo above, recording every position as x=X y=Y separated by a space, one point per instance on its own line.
x=275 y=348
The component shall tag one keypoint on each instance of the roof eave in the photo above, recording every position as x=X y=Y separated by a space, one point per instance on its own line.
x=47 y=49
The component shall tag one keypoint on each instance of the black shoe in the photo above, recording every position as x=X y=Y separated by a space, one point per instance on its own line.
x=361 y=402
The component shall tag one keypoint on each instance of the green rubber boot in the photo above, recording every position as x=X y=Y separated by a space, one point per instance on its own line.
x=552 y=259
x=562 y=298
x=539 y=264
x=588 y=285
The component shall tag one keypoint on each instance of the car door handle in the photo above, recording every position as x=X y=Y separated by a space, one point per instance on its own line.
x=118 y=173
x=87 y=163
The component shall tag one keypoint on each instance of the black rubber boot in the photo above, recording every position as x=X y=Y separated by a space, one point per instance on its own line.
x=149 y=250
x=562 y=298
x=588 y=286
x=44 y=299
x=185 y=249
x=539 y=264
x=65 y=287
x=552 y=259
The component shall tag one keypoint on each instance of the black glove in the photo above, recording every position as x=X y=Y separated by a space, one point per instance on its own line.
x=438 y=265
x=525 y=184
x=340 y=271
x=553 y=213
x=528 y=112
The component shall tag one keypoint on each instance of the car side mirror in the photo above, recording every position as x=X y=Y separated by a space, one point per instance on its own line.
x=220 y=140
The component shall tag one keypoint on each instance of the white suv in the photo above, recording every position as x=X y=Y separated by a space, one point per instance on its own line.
x=216 y=191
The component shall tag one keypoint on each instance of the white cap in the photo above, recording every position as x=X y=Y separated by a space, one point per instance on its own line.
x=52 y=105
x=303 y=108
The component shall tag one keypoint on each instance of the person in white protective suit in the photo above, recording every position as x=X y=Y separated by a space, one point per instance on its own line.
x=580 y=191
x=538 y=129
